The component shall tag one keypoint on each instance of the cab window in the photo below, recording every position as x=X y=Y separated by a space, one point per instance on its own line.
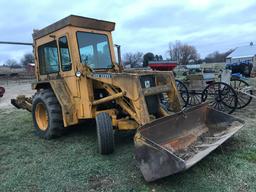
x=94 y=50
x=48 y=58
x=65 y=60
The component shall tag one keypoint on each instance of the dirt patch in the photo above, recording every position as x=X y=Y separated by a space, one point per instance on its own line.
x=13 y=89
x=98 y=183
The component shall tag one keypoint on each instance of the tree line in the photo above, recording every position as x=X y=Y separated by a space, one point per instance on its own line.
x=24 y=61
x=182 y=53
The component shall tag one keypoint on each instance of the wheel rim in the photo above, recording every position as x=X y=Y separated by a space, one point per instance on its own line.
x=183 y=93
x=41 y=116
x=220 y=96
x=195 y=98
x=243 y=99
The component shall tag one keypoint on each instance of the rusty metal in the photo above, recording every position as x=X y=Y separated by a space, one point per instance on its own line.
x=22 y=102
x=175 y=143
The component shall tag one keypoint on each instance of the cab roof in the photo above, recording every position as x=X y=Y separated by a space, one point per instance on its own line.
x=75 y=21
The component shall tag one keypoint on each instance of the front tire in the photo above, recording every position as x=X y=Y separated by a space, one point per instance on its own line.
x=47 y=114
x=105 y=133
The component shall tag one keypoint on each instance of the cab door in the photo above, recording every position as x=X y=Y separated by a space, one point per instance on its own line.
x=66 y=65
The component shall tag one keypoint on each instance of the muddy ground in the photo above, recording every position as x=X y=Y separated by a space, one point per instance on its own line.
x=72 y=163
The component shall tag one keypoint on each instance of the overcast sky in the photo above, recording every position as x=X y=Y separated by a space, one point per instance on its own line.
x=143 y=25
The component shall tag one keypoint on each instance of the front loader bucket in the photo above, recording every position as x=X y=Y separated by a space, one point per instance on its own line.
x=175 y=143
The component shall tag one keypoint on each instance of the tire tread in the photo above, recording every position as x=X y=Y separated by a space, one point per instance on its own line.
x=105 y=133
x=47 y=97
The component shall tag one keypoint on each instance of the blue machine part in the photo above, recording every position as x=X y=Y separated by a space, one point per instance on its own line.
x=240 y=69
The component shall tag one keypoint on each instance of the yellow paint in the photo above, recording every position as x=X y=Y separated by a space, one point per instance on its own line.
x=41 y=116
x=124 y=124
x=76 y=94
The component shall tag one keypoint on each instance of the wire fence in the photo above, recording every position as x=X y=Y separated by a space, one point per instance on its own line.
x=5 y=81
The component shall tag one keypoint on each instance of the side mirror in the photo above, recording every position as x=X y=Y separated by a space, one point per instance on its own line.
x=119 y=65
x=118 y=47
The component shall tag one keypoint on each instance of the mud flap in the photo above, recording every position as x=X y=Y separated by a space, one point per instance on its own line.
x=175 y=143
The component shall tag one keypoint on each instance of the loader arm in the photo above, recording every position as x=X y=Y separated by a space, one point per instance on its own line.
x=141 y=98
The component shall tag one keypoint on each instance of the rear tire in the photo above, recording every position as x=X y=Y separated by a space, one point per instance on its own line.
x=105 y=133
x=47 y=114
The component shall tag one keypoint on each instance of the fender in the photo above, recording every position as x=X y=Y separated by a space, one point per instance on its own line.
x=64 y=97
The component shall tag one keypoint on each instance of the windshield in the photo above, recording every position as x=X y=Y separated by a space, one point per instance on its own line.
x=94 y=50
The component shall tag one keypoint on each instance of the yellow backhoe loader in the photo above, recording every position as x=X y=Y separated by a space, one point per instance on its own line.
x=78 y=78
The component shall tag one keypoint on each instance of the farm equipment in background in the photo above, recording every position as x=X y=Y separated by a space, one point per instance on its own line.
x=243 y=68
x=200 y=87
x=2 y=91
x=224 y=92
x=78 y=78
x=164 y=65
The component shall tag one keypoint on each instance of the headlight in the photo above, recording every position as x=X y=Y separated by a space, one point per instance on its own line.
x=78 y=74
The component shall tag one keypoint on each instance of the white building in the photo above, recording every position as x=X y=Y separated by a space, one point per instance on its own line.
x=243 y=54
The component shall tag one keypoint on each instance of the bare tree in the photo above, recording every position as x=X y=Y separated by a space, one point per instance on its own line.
x=133 y=59
x=12 y=63
x=217 y=56
x=183 y=53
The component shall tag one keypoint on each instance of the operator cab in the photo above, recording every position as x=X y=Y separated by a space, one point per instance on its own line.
x=71 y=44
